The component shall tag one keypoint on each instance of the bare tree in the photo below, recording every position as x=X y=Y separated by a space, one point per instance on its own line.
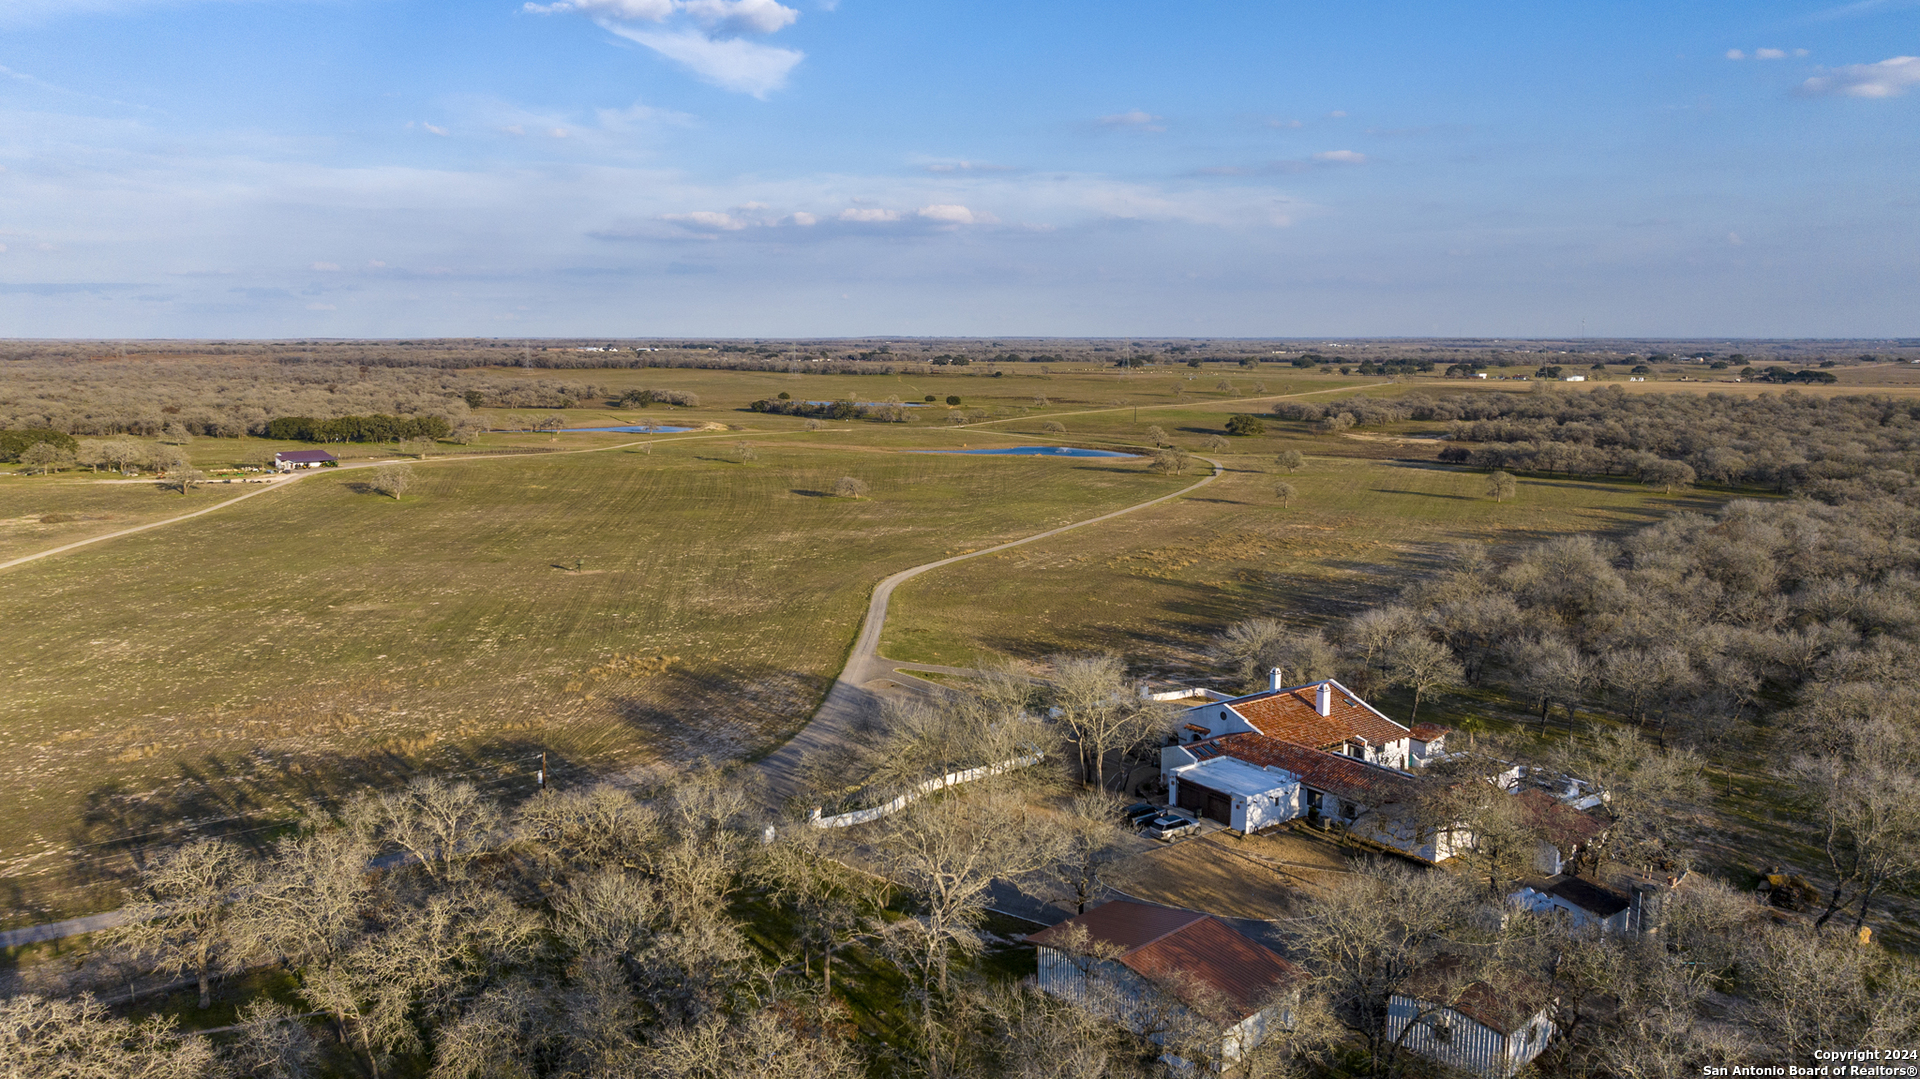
x=274 y=1042
x=849 y=487
x=1286 y=493
x=1866 y=798
x=80 y=1039
x=182 y=916
x=1215 y=444
x=1254 y=647
x=1502 y=486
x=391 y=480
x=947 y=853
x=1156 y=435
x=1422 y=664
x=745 y=452
x=1169 y=461
x=1054 y=427
x=762 y=1043
x=1291 y=460
x=1367 y=939
x=1103 y=711
x=1088 y=842
x=441 y=825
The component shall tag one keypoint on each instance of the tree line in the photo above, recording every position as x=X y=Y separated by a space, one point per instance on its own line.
x=375 y=428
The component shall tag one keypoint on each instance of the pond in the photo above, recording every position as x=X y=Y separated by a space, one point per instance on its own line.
x=642 y=429
x=1038 y=451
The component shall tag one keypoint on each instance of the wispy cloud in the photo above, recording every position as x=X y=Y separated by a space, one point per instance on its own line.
x=965 y=166
x=1764 y=54
x=1133 y=120
x=703 y=36
x=1341 y=157
x=1888 y=78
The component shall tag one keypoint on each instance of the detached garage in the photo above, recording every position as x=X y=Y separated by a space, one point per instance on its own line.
x=1242 y=796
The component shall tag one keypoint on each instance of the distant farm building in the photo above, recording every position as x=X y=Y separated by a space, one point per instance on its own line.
x=288 y=460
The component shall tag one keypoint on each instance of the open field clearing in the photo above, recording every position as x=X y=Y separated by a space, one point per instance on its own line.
x=612 y=608
x=1178 y=573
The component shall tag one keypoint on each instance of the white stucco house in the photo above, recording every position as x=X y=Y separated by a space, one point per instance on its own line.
x=1161 y=969
x=1315 y=751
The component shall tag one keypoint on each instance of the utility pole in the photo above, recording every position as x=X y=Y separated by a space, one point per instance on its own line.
x=543 y=771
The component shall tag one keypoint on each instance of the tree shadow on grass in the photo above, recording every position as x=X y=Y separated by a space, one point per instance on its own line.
x=1425 y=494
x=120 y=831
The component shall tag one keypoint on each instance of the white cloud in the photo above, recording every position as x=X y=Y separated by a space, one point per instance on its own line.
x=803 y=219
x=1341 y=157
x=326 y=267
x=440 y=131
x=741 y=16
x=869 y=215
x=707 y=220
x=951 y=214
x=1888 y=78
x=1337 y=114
x=1736 y=54
x=1734 y=239
x=1136 y=119
x=710 y=47
x=1769 y=54
x=729 y=63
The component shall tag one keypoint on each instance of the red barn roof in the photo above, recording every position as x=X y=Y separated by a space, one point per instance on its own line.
x=1196 y=957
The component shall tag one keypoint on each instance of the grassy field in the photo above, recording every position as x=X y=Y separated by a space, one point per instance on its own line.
x=227 y=666
x=668 y=598
x=1157 y=590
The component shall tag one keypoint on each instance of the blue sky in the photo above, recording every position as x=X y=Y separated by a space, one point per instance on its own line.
x=392 y=168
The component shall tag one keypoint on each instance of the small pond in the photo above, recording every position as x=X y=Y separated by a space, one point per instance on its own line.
x=642 y=429
x=1038 y=451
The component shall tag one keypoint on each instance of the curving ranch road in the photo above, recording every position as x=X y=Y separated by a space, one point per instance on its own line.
x=853 y=697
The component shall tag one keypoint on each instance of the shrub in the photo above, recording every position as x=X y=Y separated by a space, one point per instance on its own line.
x=1245 y=425
x=953 y=399
x=849 y=487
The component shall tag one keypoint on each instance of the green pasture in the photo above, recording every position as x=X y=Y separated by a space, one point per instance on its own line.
x=1158 y=584
x=611 y=608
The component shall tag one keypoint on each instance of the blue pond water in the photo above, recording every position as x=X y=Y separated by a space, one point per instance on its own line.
x=1037 y=451
x=642 y=429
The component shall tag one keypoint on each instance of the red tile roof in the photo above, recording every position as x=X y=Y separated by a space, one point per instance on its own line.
x=1427 y=732
x=1196 y=957
x=1565 y=827
x=1290 y=714
x=1354 y=780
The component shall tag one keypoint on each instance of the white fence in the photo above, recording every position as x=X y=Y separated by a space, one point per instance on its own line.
x=862 y=816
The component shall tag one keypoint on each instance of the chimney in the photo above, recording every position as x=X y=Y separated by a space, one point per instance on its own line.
x=1323 y=699
x=1274 y=681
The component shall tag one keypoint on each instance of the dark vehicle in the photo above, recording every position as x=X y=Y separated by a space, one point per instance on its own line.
x=1139 y=813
